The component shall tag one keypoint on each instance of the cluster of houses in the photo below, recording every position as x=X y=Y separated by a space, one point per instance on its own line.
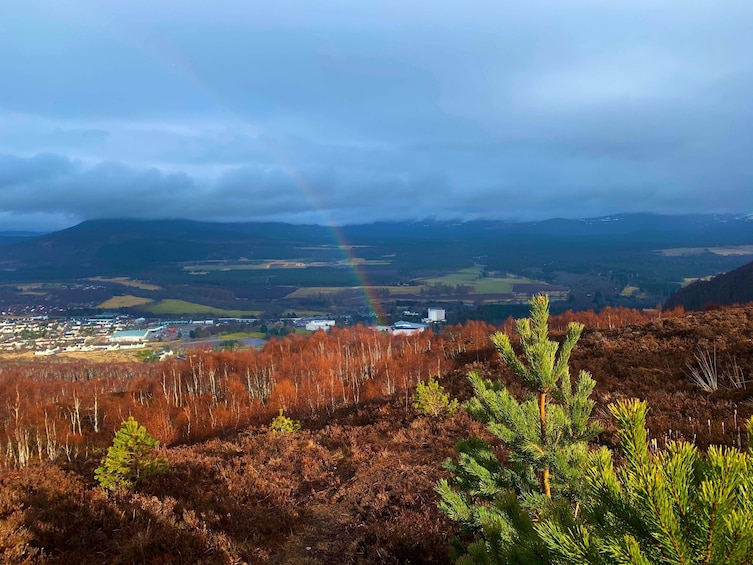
x=48 y=336
x=435 y=315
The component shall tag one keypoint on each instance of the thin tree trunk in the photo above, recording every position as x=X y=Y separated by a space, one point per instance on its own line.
x=545 y=473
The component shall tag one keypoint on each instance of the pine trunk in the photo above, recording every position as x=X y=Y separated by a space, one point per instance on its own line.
x=545 y=473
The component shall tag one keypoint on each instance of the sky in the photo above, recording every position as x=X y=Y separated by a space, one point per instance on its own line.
x=342 y=111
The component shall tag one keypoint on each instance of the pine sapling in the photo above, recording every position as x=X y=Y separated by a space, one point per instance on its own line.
x=546 y=436
x=130 y=458
x=430 y=399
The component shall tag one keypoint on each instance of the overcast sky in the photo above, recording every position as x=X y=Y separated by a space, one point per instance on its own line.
x=350 y=111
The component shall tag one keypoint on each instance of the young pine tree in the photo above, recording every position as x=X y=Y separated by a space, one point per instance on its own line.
x=672 y=506
x=546 y=436
x=430 y=399
x=130 y=458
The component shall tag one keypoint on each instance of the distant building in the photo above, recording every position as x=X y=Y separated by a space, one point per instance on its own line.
x=130 y=336
x=436 y=315
x=314 y=325
x=407 y=328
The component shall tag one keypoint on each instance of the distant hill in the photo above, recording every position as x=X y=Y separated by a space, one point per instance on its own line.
x=10 y=237
x=622 y=247
x=735 y=287
x=123 y=245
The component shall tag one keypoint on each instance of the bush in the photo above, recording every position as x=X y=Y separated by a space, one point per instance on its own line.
x=430 y=399
x=283 y=424
x=130 y=458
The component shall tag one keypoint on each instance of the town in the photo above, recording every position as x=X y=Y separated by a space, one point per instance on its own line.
x=45 y=334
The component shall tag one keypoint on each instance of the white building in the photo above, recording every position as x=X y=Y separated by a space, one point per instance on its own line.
x=436 y=315
x=314 y=325
x=407 y=328
x=130 y=336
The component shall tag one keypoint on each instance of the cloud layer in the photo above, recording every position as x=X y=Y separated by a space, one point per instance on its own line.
x=349 y=112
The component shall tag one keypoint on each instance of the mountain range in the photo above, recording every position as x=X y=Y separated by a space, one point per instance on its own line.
x=101 y=243
x=635 y=260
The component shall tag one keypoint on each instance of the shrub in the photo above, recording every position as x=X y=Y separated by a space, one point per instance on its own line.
x=283 y=424
x=430 y=399
x=130 y=458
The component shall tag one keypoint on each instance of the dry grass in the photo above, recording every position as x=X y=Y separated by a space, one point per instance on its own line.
x=724 y=251
x=114 y=356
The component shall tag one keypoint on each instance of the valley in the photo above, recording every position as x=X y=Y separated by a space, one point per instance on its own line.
x=475 y=270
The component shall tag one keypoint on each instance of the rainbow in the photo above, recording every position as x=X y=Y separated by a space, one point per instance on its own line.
x=372 y=301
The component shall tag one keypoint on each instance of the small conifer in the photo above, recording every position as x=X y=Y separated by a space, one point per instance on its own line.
x=546 y=436
x=431 y=400
x=283 y=424
x=130 y=458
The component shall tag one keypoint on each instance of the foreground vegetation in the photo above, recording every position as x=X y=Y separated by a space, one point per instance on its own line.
x=555 y=501
x=356 y=482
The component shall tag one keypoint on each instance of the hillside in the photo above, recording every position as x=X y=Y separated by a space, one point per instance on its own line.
x=123 y=244
x=634 y=260
x=735 y=287
x=356 y=484
x=105 y=245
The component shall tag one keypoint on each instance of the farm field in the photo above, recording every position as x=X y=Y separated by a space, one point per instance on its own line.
x=726 y=251
x=125 y=301
x=473 y=277
x=127 y=281
x=274 y=268
x=241 y=335
x=197 y=268
x=688 y=280
x=178 y=307
x=311 y=291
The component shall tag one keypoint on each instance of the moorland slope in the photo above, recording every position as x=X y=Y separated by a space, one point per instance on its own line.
x=355 y=485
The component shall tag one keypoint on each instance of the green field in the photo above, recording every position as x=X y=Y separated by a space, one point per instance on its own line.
x=271 y=264
x=179 y=307
x=472 y=277
x=242 y=335
x=308 y=292
x=308 y=314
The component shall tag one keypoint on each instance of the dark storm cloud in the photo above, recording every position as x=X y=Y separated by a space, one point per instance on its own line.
x=359 y=111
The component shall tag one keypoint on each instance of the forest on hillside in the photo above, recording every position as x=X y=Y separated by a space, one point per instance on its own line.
x=356 y=483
